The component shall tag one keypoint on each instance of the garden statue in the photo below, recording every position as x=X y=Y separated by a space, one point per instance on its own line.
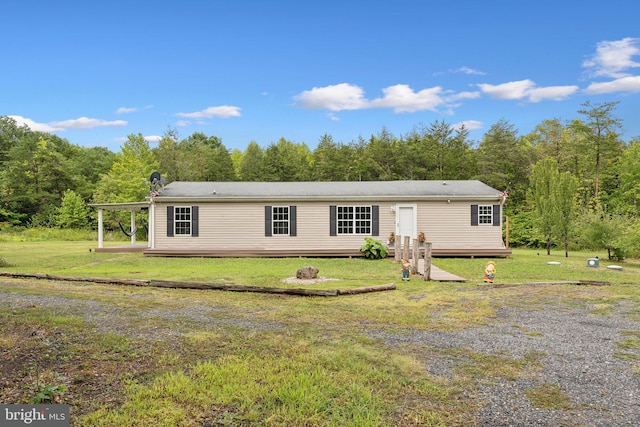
x=406 y=269
x=490 y=272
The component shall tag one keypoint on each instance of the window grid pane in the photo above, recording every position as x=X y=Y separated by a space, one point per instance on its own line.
x=280 y=220
x=182 y=220
x=363 y=220
x=354 y=219
x=485 y=214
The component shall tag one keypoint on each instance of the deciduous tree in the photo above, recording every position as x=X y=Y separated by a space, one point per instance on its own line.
x=600 y=129
x=542 y=194
x=73 y=212
x=128 y=178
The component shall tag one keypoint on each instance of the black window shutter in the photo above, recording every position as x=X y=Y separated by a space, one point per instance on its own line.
x=333 y=226
x=194 y=221
x=496 y=215
x=375 y=222
x=169 y=221
x=292 y=221
x=474 y=214
x=267 y=220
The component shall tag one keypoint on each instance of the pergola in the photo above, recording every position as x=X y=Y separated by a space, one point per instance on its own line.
x=133 y=207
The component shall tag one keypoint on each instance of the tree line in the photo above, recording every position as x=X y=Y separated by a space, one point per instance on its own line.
x=572 y=183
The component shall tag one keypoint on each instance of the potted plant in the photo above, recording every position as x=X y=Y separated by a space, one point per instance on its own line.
x=422 y=238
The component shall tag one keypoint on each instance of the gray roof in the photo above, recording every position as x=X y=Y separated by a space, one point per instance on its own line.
x=334 y=190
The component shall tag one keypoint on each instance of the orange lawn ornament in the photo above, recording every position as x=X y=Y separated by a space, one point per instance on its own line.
x=490 y=272
x=406 y=270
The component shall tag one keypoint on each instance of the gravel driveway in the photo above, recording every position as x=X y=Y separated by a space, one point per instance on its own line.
x=578 y=354
x=577 y=351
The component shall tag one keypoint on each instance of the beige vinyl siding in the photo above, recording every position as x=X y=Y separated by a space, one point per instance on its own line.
x=242 y=226
x=448 y=226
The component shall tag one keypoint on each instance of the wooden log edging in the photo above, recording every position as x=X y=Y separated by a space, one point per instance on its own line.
x=367 y=289
x=570 y=282
x=206 y=285
x=101 y=280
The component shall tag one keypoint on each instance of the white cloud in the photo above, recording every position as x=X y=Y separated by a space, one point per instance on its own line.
x=614 y=58
x=624 y=84
x=468 y=70
x=510 y=90
x=183 y=123
x=125 y=110
x=469 y=125
x=87 y=123
x=553 y=93
x=404 y=100
x=34 y=126
x=343 y=96
x=524 y=89
x=79 y=123
x=401 y=98
x=152 y=138
x=221 y=112
x=462 y=95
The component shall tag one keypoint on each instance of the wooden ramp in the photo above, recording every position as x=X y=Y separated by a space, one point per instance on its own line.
x=438 y=274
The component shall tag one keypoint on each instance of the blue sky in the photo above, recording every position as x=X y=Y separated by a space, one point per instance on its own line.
x=95 y=72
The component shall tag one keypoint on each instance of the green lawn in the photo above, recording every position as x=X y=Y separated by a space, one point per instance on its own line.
x=78 y=259
x=149 y=356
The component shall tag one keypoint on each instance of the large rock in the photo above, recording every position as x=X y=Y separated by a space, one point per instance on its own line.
x=307 y=273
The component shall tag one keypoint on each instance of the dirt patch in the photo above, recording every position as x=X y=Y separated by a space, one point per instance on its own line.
x=296 y=281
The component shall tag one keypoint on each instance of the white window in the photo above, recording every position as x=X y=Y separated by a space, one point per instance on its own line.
x=182 y=220
x=485 y=214
x=354 y=219
x=280 y=220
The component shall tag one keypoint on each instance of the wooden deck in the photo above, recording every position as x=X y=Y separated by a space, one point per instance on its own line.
x=467 y=253
x=253 y=253
x=315 y=253
x=123 y=248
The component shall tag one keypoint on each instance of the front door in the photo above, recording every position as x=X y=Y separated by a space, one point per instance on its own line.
x=406 y=221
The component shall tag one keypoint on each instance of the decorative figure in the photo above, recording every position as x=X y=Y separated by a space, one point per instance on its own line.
x=489 y=272
x=422 y=237
x=406 y=270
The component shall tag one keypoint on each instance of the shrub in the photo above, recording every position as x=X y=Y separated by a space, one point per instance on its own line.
x=373 y=249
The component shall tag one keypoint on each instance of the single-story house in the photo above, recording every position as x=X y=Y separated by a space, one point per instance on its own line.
x=231 y=219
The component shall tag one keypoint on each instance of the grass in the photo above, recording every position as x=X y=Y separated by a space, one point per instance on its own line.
x=133 y=356
x=550 y=396
x=76 y=259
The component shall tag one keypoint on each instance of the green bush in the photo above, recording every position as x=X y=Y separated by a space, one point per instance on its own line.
x=373 y=249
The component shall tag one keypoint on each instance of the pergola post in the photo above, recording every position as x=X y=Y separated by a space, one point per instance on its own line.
x=100 y=229
x=133 y=227
x=151 y=241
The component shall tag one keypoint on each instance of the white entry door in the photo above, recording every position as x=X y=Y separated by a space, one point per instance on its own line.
x=406 y=221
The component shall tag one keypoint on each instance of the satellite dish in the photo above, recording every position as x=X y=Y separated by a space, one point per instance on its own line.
x=155 y=178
